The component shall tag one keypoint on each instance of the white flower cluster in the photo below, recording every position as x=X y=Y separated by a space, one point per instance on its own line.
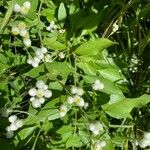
x=40 y=54
x=51 y=26
x=97 y=85
x=22 y=9
x=95 y=128
x=21 y=30
x=99 y=145
x=145 y=141
x=75 y=99
x=15 y=125
x=39 y=94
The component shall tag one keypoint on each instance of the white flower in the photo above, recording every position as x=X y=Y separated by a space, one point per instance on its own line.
x=48 y=94
x=78 y=101
x=63 y=110
x=61 y=55
x=17 y=8
x=15 y=30
x=34 y=62
x=95 y=128
x=77 y=90
x=51 y=27
x=27 y=5
x=32 y=92
x=145 y=141
x=39 y=93
x=12 y=118
x=27 y=42
x=47 y=58
x=70 y=100
x=39 y=54
x=74 y=90
x=147 y=135
x=61 y=31
x=99 y=145
x=97 y=85
x=9 y=134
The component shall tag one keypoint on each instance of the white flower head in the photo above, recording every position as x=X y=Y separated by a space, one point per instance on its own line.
x=63 y=110
x=51 y=26
x=86 y=105
x=19 y=123
x=27 y=42
x=79 y=101
x=17 y=8
x=13 y=127
x=39 y=54
x=70 y=100
x=99 y=145
x=77 y=90
x=147 y=135
x=97 y=85
x=15 y=30
x=40 y=84
x=12 y=118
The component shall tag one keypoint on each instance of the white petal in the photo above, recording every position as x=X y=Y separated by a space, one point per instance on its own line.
x=27 y=4
x=13 y=127
x=8 y=128
x=147 y=135
x=74 y=90
x=70 y=100
x=19 y=123
x=92 y=127
x=35 y=64
x=29 y=61
x=17 y=8
x=102 y=143
x=12 y=118
x=48 y=93
x=36 y=104
x=27 y=42
x=41 y=100
x=23 y=32
x=95 y=132
x=44 y=50
x=32 y=92
x=80 y=91
x=15 y=30
x=9 y=134
x=40 y=84
x=63 y=110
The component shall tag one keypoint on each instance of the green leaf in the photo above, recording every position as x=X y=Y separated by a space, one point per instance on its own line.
x=123 y=107
x=53 y=44
x=93 y=47
x=53 y=69
x=62 y=14
x=74 y=141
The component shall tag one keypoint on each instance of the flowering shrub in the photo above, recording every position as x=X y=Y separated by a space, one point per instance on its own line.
x=74 y=75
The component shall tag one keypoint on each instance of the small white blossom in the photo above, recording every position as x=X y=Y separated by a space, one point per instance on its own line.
x=39 y=94
x=17 y=8
x=95 y=128
x=44 y=50
x=47 y=58
x=86 y=105
x=77 y=90
x=63 y=110
x=97 y=85
x=61 y=55
x=79 y=101
x=27 y=42
x=145 y=141
x=51 y=26
x=15 y=30
x=99 y=145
